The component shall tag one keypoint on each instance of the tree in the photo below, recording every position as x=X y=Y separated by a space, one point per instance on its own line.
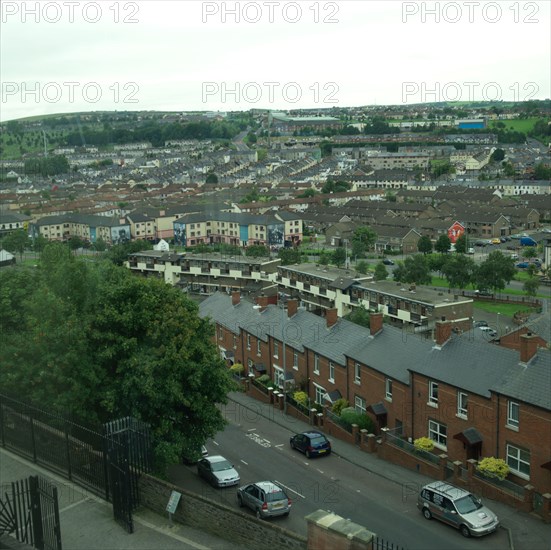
x=531 y=286
x=99 y=343
x=118 y=253
x=381 y=272
x=362 y=267
x=324 y=258
x=100 y=245
x=257 y=251
x=290 y=256
x=414 y=269
x=211 y=178
x=542 y=172
x=424 y=244
x=495 y=272
x=359 y=316
x=16 y=242
x=498 y=155
x=461 y=244
x=75 y=243
x=459 y=271
x=443 y=244
x=363 y=239
x=529 y=252
x=339 y=256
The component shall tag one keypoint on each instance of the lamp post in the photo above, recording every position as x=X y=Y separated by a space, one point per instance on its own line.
x=283 y=300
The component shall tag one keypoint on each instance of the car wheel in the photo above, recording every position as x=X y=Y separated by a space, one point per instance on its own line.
x=240 y=501
x=465 y=531
x=286 y=514
x=258 y=514
x=308 y=454
x=293 y=445
x=426 y=513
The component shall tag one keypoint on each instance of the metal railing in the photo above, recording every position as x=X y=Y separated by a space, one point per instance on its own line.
x=410 y=448
x=504 y=484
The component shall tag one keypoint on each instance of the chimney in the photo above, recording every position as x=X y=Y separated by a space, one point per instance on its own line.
x=262 y=301
x=375 y=323
x=528 y=346
x=235 y=297
x=331 y=317
x=442 y=332
x=292 y=307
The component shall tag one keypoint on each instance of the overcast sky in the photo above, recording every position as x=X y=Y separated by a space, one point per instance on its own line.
x=188 y=55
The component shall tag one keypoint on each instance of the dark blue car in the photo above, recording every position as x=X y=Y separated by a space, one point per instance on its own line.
x=311 y=443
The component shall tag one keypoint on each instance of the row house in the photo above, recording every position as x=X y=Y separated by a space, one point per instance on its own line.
x=472 y=398
x=206 y=273
x=321 y=288
x=272 y=230
x=10 y=222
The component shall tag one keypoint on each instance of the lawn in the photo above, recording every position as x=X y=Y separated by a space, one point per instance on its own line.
x=519 y=125
x=505 y=309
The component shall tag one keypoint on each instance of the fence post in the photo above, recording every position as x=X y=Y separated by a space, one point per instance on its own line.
x=68 y=452
x=457 y=470
x=33 y=441
x=528 y=498
x=546 y=507
x=36 y=513
x=471 y=469
x=2 y=435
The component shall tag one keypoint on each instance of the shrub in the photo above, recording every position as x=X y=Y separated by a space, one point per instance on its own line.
x=237 y=368
x=339 y=405
x=423 y=444
x=364 y=422
x=301 y=397
x=493 y=467
x=264 y=380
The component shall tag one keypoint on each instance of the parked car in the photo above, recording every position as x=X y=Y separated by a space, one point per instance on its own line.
x=388 y=261
x=522 y=265
x=511 y=247
x=496 y=241
x=311 y=443
x=470 y=250
x=480 y=324
x=194 y=457
x=503 y=240
x=514 y=256
x=458 y=508
x=218 y=471
x=265 y=498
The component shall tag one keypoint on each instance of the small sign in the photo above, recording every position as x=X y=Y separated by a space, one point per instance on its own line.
x=173 y=502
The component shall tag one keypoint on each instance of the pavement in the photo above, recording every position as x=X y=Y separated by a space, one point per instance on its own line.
x=87 y=521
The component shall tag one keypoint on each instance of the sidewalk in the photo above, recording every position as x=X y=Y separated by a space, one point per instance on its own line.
x=87 y=521
x=525 y=530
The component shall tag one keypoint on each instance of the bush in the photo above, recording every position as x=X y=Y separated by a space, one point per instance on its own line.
x=264 y=380
x=237 y=368
x=301 y=397
x=493 y=467
x=339 y=405
x=364 y=422
x=424 y=444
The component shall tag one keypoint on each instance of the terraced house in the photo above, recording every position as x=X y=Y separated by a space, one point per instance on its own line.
x=472 y=398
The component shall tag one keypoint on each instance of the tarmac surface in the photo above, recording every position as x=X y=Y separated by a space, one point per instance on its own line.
x=87 y=521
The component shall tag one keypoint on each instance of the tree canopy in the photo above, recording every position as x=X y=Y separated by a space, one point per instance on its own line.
x=495 y=272
x=94 y=341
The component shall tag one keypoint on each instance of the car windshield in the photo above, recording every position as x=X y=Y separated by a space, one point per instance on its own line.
x=276 y=495
x=220 y=466
x=467 y=504
x=318 y=440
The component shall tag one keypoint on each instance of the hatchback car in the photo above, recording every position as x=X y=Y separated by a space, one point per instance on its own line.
x=457 y=507
x=388 y=261
x=311 y=444
x=265 y=498
x=496 y=241
x=218 y=471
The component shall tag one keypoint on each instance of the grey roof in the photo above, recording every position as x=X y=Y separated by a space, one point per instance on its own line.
x=84 y=219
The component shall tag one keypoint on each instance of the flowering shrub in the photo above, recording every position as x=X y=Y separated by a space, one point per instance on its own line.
x=339 y=405
x=424 y=444
x=238 y=368
x=301 y=397
x=493 y=467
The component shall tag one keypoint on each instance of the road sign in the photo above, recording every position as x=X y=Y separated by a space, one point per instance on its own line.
x=173 y=502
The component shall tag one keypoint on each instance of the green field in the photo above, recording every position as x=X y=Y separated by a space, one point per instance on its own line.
x=504 y=309
x=519 y=125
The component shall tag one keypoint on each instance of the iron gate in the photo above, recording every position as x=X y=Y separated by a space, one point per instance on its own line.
x=29 y=512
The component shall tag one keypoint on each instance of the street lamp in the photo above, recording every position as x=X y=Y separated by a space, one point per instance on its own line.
x=283 y=301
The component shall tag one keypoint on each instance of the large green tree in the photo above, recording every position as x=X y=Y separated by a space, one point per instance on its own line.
x=363 y=240
x=443 y=244
x=97 y=342
x=424 y=244
x=495 y=272
x=414 y=269
x=461 y=244
x=459 y=270
x=16 y=242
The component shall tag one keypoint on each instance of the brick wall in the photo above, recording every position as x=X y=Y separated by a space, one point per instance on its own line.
x=201 y=513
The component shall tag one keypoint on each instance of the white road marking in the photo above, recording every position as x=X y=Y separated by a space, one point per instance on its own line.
x=217 y=444
x=251 y=429
x=319 y=470
x=280 y=445
x=257 y=439
x=246 y=463
x=289 y=489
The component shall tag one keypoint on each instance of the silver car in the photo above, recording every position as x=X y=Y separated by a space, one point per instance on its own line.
x=218 y=471
x=458 y=508
x=265 y=499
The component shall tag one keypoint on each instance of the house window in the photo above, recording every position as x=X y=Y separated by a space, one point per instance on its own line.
x=234 y=341
x=258 y=348
x=360 y=404
x=461 y=404
x=357 y=373
x=249 y=342
x=388 y=389
x=220 y=333
x=250 y=364
x=279 y=377
x=439 y=434
x=276 y=350
x=295 y=360
x=320 y=392
x=433 y=394
x=519 y=461
x=316 y=364
x=512 y=414
x=331 y=371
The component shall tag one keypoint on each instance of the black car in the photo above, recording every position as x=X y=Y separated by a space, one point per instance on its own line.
x=480 y=324
x=388 y=261
x=311 y=444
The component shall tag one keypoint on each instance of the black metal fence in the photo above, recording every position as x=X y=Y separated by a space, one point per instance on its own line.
x=103 y=463
x=381 y=544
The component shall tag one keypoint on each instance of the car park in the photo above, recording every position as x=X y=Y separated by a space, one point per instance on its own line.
x=311 y=443
x=218 y=471
x=458 y=508
x=265 y=498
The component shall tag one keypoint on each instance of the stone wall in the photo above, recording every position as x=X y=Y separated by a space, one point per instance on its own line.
x=220 y=520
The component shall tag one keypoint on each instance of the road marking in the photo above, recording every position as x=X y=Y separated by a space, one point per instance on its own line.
x=280 y=445
x=251 y=429
x=246 y=463
x=289 y=489
x=319 y=470
x=217 y=444
x=257 y=439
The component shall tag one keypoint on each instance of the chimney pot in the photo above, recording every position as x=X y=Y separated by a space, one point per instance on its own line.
x=331 y=317
x=528 y=347
x=443 y=330
x=235 y=298
x=292 y=307
x=375 y=323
